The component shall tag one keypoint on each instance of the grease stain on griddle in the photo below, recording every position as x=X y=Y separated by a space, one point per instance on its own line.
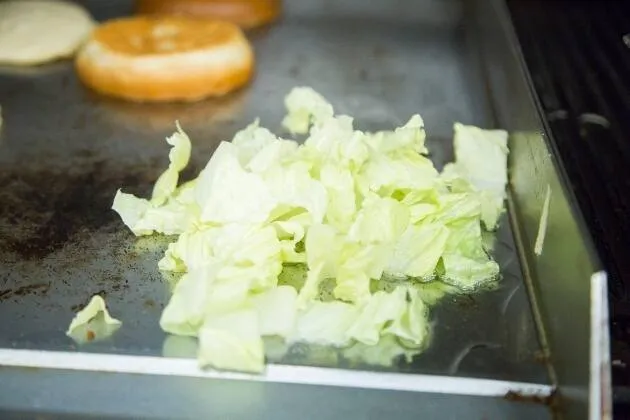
x=31 y=289
x=43 y=208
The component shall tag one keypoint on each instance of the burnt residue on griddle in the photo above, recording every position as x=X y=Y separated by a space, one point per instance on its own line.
x=542 y=357
x=42 y=207
x=466 y=302
x=551 y=400
x=31 y=289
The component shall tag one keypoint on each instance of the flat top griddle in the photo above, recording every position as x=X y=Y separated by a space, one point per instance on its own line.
x=64 y=152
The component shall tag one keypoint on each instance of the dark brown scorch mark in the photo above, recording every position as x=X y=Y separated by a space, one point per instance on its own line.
x=43 y=208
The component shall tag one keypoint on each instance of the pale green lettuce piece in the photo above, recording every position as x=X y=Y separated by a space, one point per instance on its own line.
x=466 y=264
x=259 y=150
x=481 y=161
x=187 y=308
x=455 y=207
x=251 y=140
x=323 y=246
x=257 y=278
x=279 y=152
x=227 y=193
x=172 y=218
x=342 y=201
x=292 y=231
x=491 y=209
x=468 y=274
x=304 y=107
x=381 y=308
x=432 y=292
x=465 y=238
x=224 y=265
x=481 y=157
x=380 y=220
x=232 y=341
x=384 y=353
x=413 y=326
x=357 y=264
x=411 y=136
x=248 y=245
x=386 y=174
x=325 y=323
x=289 y=253
x=293 y=227
x=293 y=187
x=143 y=218
x=178 y=156
x=254 y=254
x=131 y=210
x=93 y=322
x=418 y=251
x=248 y=253
x=490 y=202
x=192 y=249
x=277 y=309
x=421 y=204
x=335 y=140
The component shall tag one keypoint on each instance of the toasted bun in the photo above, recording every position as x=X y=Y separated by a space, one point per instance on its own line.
x=245 y=13
x=36 y=31
x=165 y=59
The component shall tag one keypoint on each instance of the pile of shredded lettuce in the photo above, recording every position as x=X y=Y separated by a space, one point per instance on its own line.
x=357 y=210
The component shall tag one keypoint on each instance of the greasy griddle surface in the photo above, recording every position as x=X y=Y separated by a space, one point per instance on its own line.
x=64 y=152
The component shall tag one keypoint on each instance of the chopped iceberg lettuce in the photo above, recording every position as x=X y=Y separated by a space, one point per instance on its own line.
x=344 y=240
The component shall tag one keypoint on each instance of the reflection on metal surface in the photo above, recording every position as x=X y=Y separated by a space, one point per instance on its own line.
x=542 y=226
x=507 y=301
x=592 y=118
x=159 y=117
x=600 y=399
x=180 y=347
x=454 y=368
x=274 y=373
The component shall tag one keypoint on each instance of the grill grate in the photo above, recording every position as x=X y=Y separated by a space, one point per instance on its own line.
x=579 y=58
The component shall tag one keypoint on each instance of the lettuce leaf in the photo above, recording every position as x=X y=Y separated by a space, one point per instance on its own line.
x=185 y=312
x=304 y=107
x=412 y=327
x=480 y=165
x=382 y=308
x=227 y=193
x=418 y=251
x=178 y=156
x=384 y=353
x=277 y=310
x=325 y=323
x=93 y=322
x=232 y=341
